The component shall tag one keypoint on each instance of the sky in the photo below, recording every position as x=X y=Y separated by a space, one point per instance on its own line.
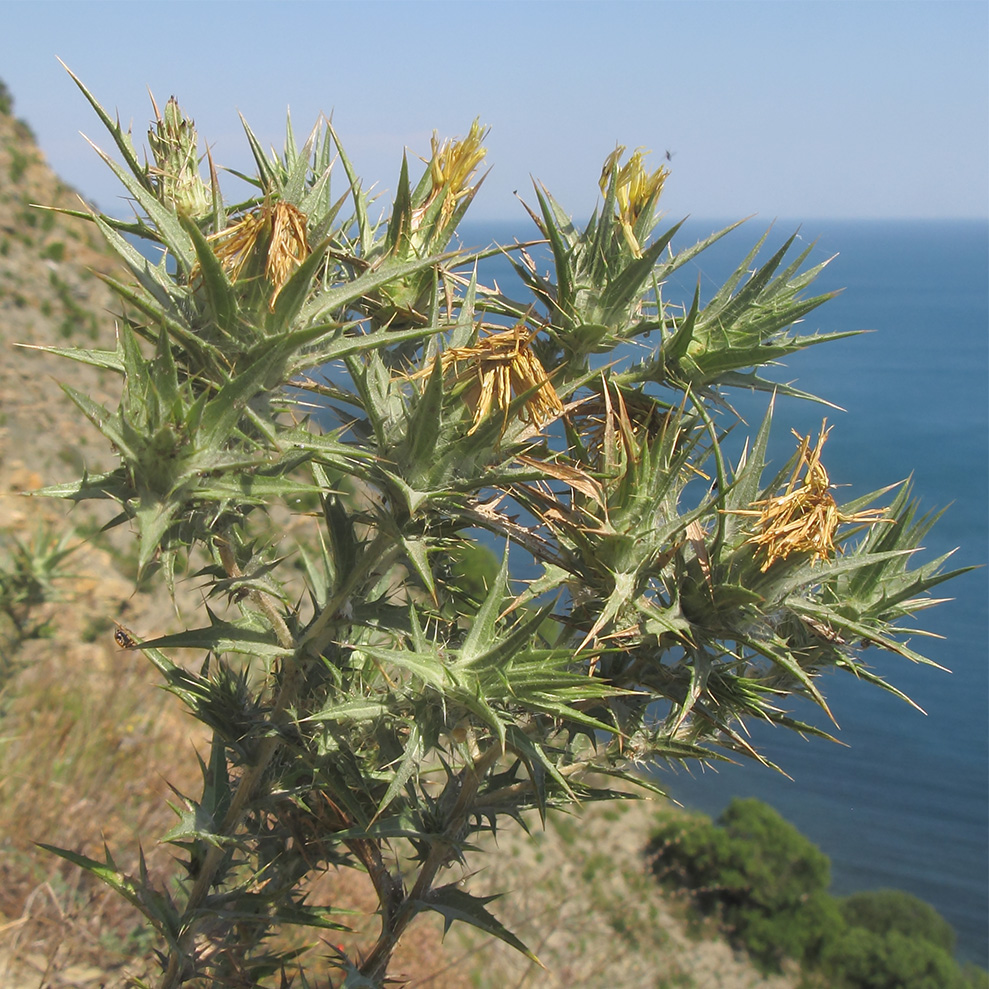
x=799 y=109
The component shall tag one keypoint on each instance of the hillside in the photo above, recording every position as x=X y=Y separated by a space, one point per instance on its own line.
x=89 y=741
x=49 y=294
x=84 y=746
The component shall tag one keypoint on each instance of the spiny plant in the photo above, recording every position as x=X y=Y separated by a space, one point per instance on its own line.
x=32 y=572
x=287 y=349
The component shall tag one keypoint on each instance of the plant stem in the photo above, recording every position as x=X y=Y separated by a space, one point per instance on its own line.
x=376 y=964
x=248 y=783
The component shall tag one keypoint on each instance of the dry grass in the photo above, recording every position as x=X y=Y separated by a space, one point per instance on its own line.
x=581 y=896
x=86 y=746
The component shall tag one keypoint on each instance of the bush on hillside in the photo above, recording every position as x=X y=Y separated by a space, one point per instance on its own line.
x=858 y=958
x=763 y=880
x=766 y=885
x=885 y=911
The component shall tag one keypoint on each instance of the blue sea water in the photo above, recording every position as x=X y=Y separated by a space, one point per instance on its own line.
x=904 y=801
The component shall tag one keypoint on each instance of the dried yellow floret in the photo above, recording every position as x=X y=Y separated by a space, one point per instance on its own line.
x=280 y=230
x=504 y=366
x=805 y=517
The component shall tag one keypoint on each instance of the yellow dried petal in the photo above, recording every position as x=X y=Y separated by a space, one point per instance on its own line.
x=804 y=518
x=289 y=246
x=275 y=233
x=503 y=366
x=234 y=245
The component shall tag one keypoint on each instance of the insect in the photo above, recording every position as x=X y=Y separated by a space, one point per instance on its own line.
x=124 y=637
x=669 y=155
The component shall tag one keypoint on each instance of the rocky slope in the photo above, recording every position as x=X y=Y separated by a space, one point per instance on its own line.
x=49 y=294
x=89 y=741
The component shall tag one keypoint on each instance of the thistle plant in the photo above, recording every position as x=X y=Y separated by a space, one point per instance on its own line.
x=647 y=598
x=32 y=573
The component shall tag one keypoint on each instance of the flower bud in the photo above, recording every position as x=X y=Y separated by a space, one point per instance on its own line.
x=173 y=142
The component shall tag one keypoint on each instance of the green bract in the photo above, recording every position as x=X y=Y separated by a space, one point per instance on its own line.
x=444 y=440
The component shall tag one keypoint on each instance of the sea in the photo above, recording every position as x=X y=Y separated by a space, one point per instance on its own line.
x=903 y=800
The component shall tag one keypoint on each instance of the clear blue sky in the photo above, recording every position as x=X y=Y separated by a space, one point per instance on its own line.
x=801 y=110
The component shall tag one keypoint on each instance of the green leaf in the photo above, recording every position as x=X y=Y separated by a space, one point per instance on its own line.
x=745 y=487
x=250 y=488
x=203 y=820
x=623 y=288
x=417 y=554
x=121 y=138
x=424 y=423
x=296 y=291
x=104 y=420
x=427 y=666
x=333 y=301
x=403 y=772
x=263 y=370
x=267 y=178
x=157 y=906
x=159 y=318
x=351 y=711
x=779 y=654
x=866 y=631
x=680 y=258
x=220 y=294
x=675 y=348
x=482 y=631
x=538 y=765
x=223 y=637
x=172 y=234
x=396 y=237
x=108 y=360
x=561 y=256
x=454 y=903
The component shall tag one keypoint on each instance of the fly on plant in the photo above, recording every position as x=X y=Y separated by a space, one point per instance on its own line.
x=124 y=637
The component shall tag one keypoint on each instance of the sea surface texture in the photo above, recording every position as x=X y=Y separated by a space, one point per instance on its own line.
x=904 y=801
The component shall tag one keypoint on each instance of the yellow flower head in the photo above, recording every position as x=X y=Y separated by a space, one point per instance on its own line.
x=503 y=366
x=805 y=517
x=453 y=162
x=279 y=229
x=451 y=167
x=635 y=189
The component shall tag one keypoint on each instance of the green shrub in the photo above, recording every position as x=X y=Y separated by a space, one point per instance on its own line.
x=22 y=129
x=766 y=885
x=975 y=977
x=779 y=865
x=758 y=874
x=863 y=959
x=55 y=251
x=30 y=569
x=886 y=911
x=18 y=163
